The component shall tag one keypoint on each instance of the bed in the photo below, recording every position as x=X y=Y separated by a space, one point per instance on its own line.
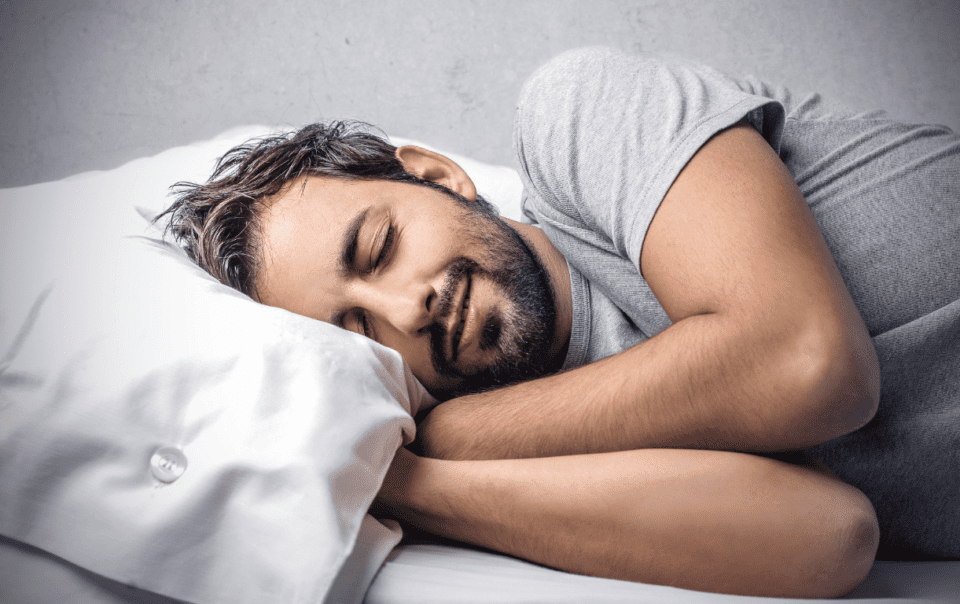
x=164 y=439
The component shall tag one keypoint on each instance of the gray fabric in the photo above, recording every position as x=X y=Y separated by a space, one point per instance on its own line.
x=600 y=136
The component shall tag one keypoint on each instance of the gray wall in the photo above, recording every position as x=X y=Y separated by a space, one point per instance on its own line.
x=90 y=84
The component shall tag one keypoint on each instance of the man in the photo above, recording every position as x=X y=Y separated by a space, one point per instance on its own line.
x=715 y=270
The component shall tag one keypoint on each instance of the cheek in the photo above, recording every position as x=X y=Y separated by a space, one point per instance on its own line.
x=440 y=243
x=415 y=353
x=483 y=243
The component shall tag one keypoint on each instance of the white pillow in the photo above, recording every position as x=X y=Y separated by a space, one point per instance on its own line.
x=120 y=361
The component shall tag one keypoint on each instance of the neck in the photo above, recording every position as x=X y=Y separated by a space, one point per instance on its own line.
x=556 y=266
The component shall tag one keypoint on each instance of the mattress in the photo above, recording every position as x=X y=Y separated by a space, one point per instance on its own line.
x=424 y=571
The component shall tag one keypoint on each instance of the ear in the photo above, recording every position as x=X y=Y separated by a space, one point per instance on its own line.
x=427 y=165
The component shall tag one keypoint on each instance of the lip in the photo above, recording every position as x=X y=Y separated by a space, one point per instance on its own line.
x=458 y=319
x=470 y=326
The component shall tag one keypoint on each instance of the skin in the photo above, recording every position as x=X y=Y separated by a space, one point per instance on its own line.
x=707 y=520
x=766 y=353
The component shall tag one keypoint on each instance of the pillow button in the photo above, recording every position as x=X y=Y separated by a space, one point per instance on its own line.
x=168 y=464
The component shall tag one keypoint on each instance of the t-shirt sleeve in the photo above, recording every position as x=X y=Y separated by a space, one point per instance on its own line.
x=601 y=135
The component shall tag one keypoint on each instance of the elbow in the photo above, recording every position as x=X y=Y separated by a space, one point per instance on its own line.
x=836 y=376
x=837 y=545
x=850 y=556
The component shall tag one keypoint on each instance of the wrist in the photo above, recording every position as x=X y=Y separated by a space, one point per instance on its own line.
x=411 y=486
x=439 y=435
x=394 y=492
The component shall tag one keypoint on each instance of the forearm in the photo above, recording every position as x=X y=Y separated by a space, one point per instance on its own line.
x=702 y=383
x=712 y=521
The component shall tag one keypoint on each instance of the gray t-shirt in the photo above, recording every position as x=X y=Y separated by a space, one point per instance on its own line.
x=600 y=137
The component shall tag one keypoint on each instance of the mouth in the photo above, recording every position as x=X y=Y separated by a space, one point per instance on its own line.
x=459 y=320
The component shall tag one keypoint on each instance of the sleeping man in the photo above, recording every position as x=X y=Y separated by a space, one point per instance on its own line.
x=713 y=274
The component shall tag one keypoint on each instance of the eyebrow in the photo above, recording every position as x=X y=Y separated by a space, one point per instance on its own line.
x=347 y=262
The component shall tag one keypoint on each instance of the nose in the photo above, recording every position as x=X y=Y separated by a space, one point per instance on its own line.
x=407 y=307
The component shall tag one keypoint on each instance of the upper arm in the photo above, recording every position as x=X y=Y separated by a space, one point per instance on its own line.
x=734 y=237
x=734 y=232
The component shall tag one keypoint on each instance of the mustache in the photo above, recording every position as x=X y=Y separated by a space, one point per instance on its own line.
x=459 y=269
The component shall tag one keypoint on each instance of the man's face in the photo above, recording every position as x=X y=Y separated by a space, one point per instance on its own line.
x=455 y=291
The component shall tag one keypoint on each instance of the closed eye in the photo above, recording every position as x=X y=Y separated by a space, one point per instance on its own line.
x=385 y=248
x=357 y=322
x=364 y=326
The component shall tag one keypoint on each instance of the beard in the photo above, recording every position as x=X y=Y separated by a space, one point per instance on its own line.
x=520 y=329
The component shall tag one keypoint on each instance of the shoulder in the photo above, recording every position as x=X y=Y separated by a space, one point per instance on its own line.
x=601 y=134
x=644 y=103
x=585 y=74
x=587 y=91
x=585 y=65
x=571 y=66
x=590 y=124
x=576 y=96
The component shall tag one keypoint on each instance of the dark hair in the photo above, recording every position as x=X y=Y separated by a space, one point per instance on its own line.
x=217 y=223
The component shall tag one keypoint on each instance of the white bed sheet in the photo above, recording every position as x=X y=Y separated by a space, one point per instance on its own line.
x=426 y=572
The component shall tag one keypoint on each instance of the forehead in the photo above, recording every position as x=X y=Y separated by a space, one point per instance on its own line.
x=308 y=207
x=301 y=230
